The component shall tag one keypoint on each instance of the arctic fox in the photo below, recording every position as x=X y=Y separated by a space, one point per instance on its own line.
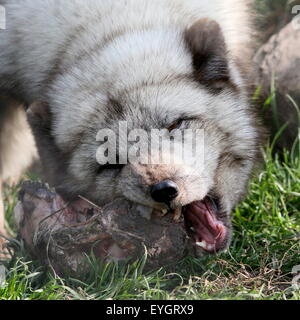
x=86 y=65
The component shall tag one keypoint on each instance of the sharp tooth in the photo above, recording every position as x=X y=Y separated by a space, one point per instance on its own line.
x=160 y=213
x=202 y=244
x=145 y=212
x=210 y=247
x=177 y=214
x=193 y=229
x=205 y=245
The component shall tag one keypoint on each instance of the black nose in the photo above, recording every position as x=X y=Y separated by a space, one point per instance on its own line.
x=164 y=191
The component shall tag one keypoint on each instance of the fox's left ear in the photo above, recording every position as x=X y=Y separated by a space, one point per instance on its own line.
x=206 y=43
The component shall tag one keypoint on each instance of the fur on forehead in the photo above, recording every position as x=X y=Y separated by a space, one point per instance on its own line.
x=157 y=106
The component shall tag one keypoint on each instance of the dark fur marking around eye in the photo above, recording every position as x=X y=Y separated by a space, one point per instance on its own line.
x=108 y=166
x=176 y=124
x=103 y=167
x=114 y=111
x=116 y=107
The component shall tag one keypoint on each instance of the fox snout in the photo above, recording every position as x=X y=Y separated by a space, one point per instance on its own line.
x=164 y=192
x=163 y=186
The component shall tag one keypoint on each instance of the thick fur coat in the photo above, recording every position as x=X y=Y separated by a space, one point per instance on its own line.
x=84 y=65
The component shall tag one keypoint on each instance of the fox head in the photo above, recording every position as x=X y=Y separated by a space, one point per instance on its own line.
x=179 y=81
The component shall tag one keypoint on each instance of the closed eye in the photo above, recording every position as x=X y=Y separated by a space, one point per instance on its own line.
x=108 y=166
x=177 y=124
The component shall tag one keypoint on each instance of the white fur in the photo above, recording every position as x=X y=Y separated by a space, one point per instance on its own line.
x=147 y=46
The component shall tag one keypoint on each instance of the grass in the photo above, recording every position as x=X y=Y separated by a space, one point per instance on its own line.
x=259 y=264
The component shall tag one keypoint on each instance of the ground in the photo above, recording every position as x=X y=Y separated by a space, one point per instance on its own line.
x=259 y=264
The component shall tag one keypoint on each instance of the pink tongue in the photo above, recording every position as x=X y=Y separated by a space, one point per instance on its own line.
x=205 y=223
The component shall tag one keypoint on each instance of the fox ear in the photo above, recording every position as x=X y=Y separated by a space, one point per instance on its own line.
x=206 y=43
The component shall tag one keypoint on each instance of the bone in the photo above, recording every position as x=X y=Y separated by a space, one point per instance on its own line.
x=60 y=234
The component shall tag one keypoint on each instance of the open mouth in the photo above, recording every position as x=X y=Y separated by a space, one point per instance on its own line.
x=203 y=225
x=202 y=222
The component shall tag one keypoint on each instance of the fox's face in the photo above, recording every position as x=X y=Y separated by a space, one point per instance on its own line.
x=210 y=102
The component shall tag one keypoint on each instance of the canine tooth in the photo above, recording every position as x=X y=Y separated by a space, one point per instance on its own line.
x=205 y=245
x=202 y=244
x=160 y=213
x=177 y=214
x=164 y=211
x=210 y=247
x=193 y=229
x=145 y=212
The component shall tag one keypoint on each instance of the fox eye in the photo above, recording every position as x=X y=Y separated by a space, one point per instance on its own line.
x=175 y=125
x=108 y=166
x=102 y=167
